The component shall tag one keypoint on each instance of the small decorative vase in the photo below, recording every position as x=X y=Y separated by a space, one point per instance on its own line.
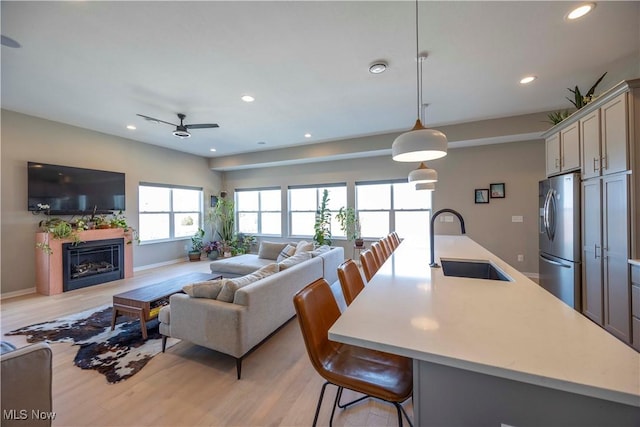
x=227 y=254
x=213 y=255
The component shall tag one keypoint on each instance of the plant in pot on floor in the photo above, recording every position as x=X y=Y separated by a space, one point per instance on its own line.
x=322 y=226
x=197 y=244
x=350 y=224
x=213 y=249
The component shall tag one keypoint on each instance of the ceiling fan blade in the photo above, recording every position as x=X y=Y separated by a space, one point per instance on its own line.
x=153 y=119
x=202 y=126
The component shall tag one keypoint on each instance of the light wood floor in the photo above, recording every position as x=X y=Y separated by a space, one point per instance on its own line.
x=188 y=385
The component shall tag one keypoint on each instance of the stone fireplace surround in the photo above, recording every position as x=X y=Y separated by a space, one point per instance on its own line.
x=49 y=271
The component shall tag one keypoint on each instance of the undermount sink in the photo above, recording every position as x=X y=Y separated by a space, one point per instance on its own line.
x=475 y=269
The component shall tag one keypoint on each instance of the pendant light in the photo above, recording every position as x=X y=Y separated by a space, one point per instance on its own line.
x=420 y=143
x=429 y=186
x=423 y=174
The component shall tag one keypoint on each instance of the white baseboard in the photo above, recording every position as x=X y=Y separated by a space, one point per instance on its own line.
x=159 y=264
x=19 y=293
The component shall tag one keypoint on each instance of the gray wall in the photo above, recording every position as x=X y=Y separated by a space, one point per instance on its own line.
x=519 y=165
x=26 y=138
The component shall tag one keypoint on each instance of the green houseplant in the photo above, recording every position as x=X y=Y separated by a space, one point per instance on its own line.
x=350 y=224
x=322 y=226
x=197 y=245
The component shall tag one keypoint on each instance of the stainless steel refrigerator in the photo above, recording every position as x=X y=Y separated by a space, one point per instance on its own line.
x=559 y=261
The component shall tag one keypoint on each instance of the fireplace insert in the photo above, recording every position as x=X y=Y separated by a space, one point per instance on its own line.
x=91 y=263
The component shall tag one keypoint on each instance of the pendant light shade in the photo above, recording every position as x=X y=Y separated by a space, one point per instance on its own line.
x=419 y=144
x=423 y=174
x=429 y=186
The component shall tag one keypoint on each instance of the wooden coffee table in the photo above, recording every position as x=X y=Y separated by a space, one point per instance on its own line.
x=145 y=303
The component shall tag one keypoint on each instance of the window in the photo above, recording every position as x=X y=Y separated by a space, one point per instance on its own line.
x=303 y=203
x=386 y=206
x=168 y=212
x=259 y=211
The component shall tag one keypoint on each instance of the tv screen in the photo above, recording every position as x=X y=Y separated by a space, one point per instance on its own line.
x=70 y=190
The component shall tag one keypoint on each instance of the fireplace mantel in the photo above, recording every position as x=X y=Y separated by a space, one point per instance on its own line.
x=49 y=266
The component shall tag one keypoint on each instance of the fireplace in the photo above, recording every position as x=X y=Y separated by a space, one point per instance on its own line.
x=91 y=263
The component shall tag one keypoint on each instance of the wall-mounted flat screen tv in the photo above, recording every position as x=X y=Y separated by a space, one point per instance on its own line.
x=69 y=190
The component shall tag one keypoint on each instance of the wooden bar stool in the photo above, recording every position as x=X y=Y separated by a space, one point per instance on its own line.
x=379 y=254
x=373 y=373
x=350 y=280
x=369 y=264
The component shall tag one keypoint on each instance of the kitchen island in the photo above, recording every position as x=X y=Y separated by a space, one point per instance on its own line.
x=490 y=352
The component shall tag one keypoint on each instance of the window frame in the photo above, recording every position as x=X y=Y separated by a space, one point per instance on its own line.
x=392 y=209
x=259 y=212
x=319 y=190
x=171 y=212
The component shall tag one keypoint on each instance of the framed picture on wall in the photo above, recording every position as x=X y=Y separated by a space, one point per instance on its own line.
x=214 y=201
x=482 y=195
x=497 y=190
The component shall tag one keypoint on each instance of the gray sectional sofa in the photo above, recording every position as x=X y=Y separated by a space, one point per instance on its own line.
x=234 y=317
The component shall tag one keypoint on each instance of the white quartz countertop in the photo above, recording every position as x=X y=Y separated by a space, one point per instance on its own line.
x=515 y=330
x=635 y=262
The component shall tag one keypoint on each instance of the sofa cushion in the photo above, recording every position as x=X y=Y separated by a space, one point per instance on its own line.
x=320 y=250
x=230 y=286
x=164 y=316
x=287 y=252
x=238 y=265
x=206 y=289
x=296 y=259
x=270 y=250
x=304 y=246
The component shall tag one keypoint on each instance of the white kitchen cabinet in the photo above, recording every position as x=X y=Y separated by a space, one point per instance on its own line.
x=606 y=292
x=615 y=135
x=563 y=150
x=592 y=286
x=604 y=139
x=590 y=144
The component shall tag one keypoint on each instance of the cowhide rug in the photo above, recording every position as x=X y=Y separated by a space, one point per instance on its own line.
x=117 y=354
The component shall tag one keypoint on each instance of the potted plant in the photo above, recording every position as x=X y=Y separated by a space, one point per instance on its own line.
x=322 y=226
x=223 y=220
x=197 y=244
x=350 y=224
x=213 y=249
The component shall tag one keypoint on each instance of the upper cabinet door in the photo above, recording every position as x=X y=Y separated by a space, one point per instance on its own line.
x=570 y=148
x=553 y=154
x=590 y=133
x=615 y=135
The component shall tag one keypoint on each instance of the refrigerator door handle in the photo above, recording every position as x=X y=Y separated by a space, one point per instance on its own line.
x=550 y=261
x=547 y=214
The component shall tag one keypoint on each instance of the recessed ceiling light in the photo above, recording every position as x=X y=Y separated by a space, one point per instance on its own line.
x=131 y=127
x=377 y=67
x=248 y=98
x=212 y=149
x=528 y=79
x=307 y=135
x=580 y=11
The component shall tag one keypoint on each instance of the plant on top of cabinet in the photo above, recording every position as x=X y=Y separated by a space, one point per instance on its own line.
x=557 y=116
x=580 y=100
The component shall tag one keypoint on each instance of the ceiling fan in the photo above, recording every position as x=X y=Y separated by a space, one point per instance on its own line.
x=182 y=130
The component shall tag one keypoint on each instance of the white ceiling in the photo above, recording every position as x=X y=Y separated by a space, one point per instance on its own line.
x=97 y=64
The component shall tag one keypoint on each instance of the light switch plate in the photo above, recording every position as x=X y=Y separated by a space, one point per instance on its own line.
x=517 y=218
x=448 y=218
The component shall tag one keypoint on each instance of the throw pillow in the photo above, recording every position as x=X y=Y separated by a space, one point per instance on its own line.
x=322 y=249
x=207 y=289
x=287 y=252
x=296 y=259
x=230 y=286
x=304 y=246
x=270 y=250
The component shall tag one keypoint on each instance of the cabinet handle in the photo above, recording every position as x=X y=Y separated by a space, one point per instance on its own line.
x=595 y=252
x=595 y=161
x=557 y=163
